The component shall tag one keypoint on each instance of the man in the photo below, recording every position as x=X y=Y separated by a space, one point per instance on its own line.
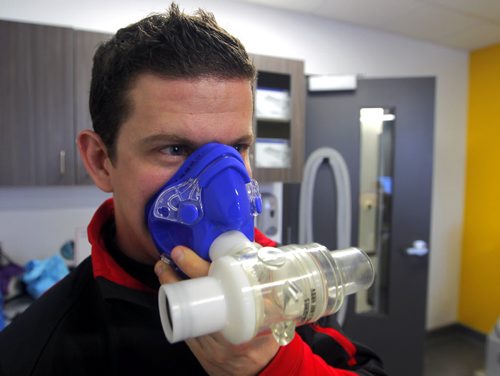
x=161 y=88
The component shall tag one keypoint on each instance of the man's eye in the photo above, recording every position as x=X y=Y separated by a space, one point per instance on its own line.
x=240 y=148
x=176 y=150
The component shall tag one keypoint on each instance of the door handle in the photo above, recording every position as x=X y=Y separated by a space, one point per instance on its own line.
x=419 y=248
x=62 y=162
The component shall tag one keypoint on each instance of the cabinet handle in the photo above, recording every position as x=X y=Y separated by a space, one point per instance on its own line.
x=62 y=162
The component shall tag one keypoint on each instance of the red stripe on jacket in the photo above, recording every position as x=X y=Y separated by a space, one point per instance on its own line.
x=347 y=345
x=102 y=263
x=105 y=266
x=297 y=359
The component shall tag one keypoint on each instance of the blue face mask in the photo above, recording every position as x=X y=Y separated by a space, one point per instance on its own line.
x=210 y=194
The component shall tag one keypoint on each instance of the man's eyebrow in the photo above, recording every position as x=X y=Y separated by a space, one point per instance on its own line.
x=162 y=138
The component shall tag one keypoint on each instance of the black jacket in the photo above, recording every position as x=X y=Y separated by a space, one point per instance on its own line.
x=102 y=319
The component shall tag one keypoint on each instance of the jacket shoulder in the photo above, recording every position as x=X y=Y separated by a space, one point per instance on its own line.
x=24 y=341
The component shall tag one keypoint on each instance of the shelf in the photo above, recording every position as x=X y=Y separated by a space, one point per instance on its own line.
x=279 y=119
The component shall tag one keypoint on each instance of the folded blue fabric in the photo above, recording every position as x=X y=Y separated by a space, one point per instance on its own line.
x=40 y=275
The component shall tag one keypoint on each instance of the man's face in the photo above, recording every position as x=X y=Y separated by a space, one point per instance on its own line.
x=169 y=119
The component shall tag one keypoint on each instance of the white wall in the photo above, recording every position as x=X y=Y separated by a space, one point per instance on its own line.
x=326 y=47
x=36 y=222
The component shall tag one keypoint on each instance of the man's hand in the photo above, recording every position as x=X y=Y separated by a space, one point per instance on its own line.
x=214 y=352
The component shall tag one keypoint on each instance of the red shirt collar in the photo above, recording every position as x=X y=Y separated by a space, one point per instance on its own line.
x=102 y=263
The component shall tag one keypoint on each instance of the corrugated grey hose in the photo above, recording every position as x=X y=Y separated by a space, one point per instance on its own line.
x=343 y=185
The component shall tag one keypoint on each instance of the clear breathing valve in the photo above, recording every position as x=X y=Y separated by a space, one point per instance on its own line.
x=251 y=290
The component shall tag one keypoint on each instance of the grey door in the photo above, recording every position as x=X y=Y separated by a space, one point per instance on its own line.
x=396 y=328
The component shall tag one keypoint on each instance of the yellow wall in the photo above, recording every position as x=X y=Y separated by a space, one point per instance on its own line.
x=480 y=276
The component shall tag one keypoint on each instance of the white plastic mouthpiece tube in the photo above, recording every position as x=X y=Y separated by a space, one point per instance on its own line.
x=252 y=290
x=194 y=307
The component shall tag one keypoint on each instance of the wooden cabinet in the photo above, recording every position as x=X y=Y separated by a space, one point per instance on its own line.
x=45 y=76
x=279 y=119
x=86 y=43
x=36 y=105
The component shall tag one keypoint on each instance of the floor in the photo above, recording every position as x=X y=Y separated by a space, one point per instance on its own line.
x=454 y=351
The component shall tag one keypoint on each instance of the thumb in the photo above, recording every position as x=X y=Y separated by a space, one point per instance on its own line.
x=165 y=273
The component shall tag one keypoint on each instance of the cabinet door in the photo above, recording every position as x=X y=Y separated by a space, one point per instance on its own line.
x=279 y=119
x=36 y=105
x=86 y=44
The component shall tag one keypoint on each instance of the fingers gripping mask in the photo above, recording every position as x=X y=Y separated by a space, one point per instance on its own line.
x=210 y=194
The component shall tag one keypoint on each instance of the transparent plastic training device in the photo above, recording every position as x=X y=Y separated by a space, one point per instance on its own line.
x=251 y=290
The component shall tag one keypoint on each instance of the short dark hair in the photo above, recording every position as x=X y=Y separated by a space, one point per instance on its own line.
x=170 y=45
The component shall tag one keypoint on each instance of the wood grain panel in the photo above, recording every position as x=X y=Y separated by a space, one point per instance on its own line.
x=36 y=104
x=86 y=44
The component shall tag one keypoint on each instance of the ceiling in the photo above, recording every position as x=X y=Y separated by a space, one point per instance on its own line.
x=466 y=24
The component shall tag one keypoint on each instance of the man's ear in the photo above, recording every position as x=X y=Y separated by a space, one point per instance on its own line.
x=95 y=158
